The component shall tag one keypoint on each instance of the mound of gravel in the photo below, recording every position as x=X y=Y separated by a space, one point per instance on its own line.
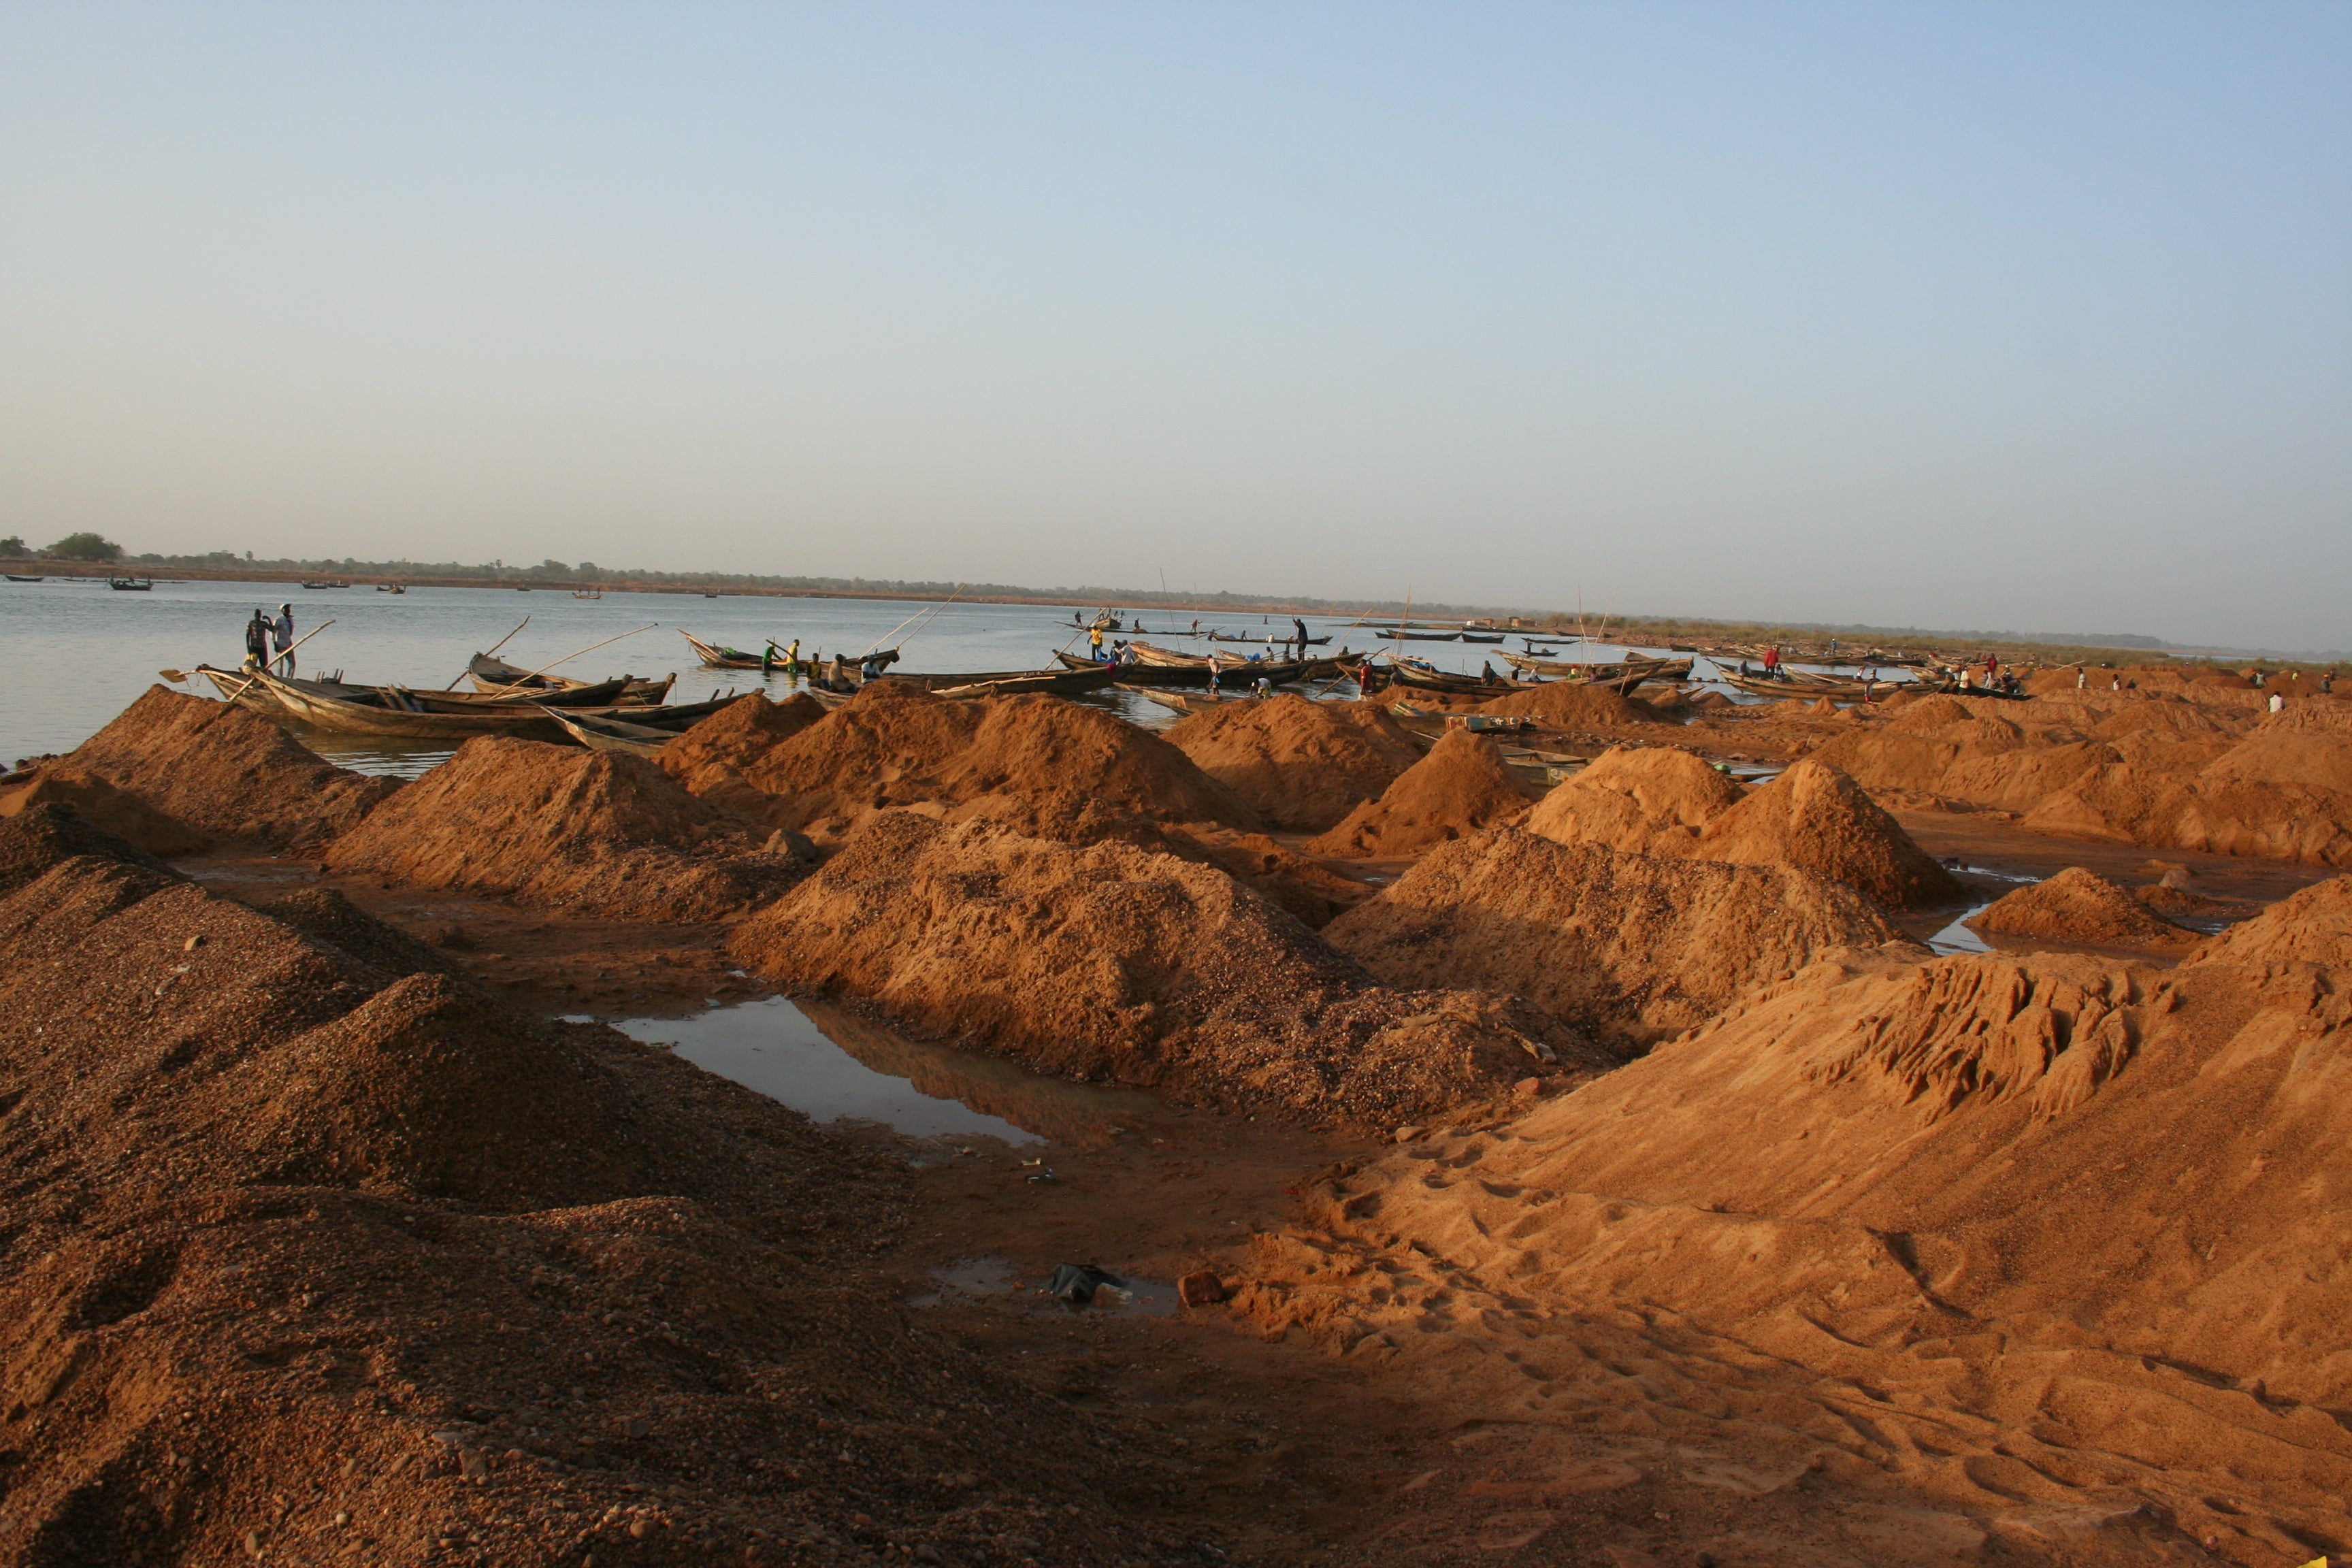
x=2081 y=907
x=222 y=770
x=1459 y=788
x=1106 y=960
x=599 y=833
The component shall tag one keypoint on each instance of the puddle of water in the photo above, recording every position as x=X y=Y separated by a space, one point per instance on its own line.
x=831 y=1063
x=1958 y=938
x=980 y=1278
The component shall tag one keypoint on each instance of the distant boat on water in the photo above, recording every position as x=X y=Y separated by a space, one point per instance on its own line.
x=131 y=585
x=14 y=578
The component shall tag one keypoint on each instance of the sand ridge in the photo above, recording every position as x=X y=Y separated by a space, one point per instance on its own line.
x=1629 y=948
x=225 y=771
x=1105 y=959
x=596 y=831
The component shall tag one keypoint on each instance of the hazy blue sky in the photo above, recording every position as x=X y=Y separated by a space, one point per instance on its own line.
x=2033 y=316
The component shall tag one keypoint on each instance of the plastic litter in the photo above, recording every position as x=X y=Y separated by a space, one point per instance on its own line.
x=1077 y=1282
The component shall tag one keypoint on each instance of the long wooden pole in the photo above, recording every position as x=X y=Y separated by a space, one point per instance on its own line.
x=494 y=648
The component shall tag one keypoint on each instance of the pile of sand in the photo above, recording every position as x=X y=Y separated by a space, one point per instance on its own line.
x=117 y=811
x=1644 y=801
x=1053 y=768
x=1574 y=705
x=1628 y=948
x=599 y=833
x=2283 y=792
x=2079 y=906
x=1298 y=764
x=1961 y=1226
x=2315 y=926
x=1460 y=787
x=710 y=757
x=233 y=1325
x=222 y=770
x=1104 y=959
x=1815 y=817
x=1812 y=816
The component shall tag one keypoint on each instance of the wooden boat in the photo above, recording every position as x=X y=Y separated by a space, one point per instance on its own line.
x=1481 y=636
x=390 y=588
x=1270 y=641
x=623 y=691
x=131 y=585
x=614 y=735
x=1408 y=673
x=14 y=578
x=497 y=677
x=717 y=655
x=1057 y=682
x=318 y=585
x=1231 y=672
x=587 y=593
x=1181 y=701
x=380 y=711
x=1390 y=634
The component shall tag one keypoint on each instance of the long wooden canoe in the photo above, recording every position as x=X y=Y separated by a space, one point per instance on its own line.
x=1057 y=682
x=497 y=677
x=375 y=713
x=612 y=735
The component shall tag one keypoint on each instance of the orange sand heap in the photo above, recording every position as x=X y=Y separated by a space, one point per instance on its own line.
x=2037 y=1239
x=2080 y=906
x=117 y=811
x=2284 y=791
x=1298 y=764
x=1815 y=817
x=1628 y=948
x=1574 y=705
x=288 y=1223
x=1642 y=800
x=2315 y=926
x=596 y=832
x=1812 y=816
x=710 y=758
x=1106 y=960
x=222 y=770
x=1458 y=788
x=1036 y=762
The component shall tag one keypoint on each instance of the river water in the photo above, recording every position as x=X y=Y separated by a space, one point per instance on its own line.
x=77 y=652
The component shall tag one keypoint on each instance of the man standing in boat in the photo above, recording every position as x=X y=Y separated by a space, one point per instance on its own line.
x=257 y=642
x=284 y=631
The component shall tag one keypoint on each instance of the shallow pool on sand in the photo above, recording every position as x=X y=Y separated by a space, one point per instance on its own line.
x=830 y=1063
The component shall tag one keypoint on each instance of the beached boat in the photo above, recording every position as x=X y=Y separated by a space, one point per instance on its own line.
x=14 y=578
x=131 y=585
x=614 y=735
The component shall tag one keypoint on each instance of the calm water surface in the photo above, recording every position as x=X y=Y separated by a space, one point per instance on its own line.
x=79 y=652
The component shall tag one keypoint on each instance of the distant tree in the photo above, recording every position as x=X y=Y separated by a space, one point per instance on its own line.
x=14 y=548
x=84 y=547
